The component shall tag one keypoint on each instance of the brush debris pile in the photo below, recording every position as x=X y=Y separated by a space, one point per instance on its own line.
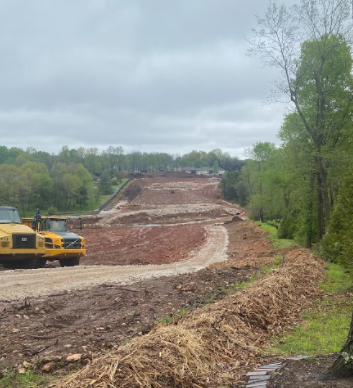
x=212 y=345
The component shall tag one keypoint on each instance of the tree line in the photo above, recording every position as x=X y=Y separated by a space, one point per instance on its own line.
x=305 y=186
x=64 y=187
x=76 y=178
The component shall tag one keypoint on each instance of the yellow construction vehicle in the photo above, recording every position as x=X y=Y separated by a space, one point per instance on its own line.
x=60 y=244
x=20 y=247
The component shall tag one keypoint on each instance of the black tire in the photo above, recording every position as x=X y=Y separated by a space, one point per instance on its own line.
x=21 y=264
x=70 y=262
x=8 y=265
x=41 y=262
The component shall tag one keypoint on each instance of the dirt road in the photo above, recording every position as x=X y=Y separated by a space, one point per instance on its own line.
x=29 y=283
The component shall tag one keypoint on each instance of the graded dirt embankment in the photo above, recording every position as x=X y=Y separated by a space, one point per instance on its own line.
x=141 y=245
x=162 y=200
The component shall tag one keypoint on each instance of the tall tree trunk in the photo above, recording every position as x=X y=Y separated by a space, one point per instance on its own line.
x=310 y=210
x=324 y=191
x=320 y=217
x=343 y=366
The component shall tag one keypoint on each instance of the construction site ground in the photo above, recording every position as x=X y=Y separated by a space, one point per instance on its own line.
x=142 y=245
x=49 y=329
x=169 y=245
x=49 y=313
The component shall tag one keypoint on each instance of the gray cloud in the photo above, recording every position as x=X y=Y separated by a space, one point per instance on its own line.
x=148 y=75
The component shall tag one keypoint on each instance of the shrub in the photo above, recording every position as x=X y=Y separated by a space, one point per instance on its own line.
x=337 y=245
x=52 y=210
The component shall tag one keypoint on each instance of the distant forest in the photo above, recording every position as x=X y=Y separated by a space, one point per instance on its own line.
x=77 y=178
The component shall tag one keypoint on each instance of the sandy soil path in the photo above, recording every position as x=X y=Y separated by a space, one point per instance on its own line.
x=25 y=283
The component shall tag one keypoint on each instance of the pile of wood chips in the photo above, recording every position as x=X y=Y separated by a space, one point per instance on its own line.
x=215 y=344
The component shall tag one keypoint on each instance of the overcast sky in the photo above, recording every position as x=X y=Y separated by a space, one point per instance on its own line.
x=148 y=75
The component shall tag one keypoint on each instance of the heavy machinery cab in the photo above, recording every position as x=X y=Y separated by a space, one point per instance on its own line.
x=9 y=215
x=20 y=247
x=60 y=243
x=55 y=225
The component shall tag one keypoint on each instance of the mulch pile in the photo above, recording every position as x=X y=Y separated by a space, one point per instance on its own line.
x=215 y=344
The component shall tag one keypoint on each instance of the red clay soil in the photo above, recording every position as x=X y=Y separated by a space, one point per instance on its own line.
x=160 y=218
x=248 y=246
x=308 y=373
x=161 y=200
x=48 y=329
x=176 y=174
x=172 y=191
x=146 y=245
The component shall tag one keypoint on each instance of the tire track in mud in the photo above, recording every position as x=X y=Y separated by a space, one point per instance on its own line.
x=32 y=283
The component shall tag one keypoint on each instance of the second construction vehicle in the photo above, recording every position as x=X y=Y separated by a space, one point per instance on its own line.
x=60 y=244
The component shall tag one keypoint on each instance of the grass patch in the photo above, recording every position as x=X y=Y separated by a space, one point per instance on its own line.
x=324 y=328
x=105 y=197
x=273 y=236
x=236 y=287
x=172 y=319
x=338 y=279
x=21 y=380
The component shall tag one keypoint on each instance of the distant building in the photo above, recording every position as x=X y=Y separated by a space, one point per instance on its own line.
x=95 y=178
x=200 y=170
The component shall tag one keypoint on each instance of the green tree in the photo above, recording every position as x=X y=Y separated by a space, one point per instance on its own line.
x=258 y=166
x=307 y=43
x=118 y=176
x=105 y=186
x=215 y=168
x=93 y=161
x=70 y=181
x=228 y=186
x=43 y=186
x=338 y=246
x=299 y=220
x=12 y=184
x=82 y=197
x=70 y=185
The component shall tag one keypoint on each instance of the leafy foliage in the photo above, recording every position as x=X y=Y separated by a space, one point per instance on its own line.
x=37 y=179
x=337 y=245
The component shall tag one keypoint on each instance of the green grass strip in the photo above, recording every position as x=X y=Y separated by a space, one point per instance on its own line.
x=22 y=380
x=324 y=328
x=273 y=236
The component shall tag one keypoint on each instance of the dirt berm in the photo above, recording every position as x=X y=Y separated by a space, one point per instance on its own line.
x=215 y=345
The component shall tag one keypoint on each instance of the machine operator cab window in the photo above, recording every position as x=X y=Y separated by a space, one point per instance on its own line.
x=51 y=225
x=9 y=216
